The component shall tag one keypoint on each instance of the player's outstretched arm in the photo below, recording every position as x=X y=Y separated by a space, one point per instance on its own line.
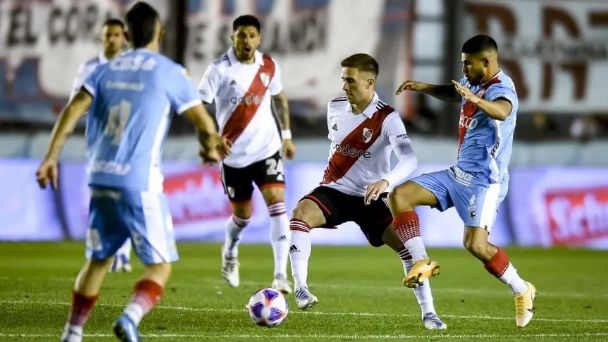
x=444 y=92
x=281 y=108
x=498 y=109
x=76 y=108
x=213 y=147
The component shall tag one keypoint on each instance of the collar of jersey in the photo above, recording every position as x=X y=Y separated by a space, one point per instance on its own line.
x=370 y=109
x=257 y=57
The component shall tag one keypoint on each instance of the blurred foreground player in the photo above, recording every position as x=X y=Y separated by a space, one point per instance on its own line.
x=113 y=39
x=364 y=132
x=478 y=182
x=129 y=101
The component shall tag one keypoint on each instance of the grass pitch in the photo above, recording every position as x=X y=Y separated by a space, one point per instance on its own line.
x=360 y=297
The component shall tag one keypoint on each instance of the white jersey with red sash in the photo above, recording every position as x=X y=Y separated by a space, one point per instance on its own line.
x=361 y=146
x=242 y=95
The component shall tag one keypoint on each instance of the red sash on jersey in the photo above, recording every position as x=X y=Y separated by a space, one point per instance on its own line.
x=340 y=163
x=469 y=109
x=244 y=112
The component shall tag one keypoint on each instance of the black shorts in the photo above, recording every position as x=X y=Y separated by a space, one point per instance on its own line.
x=338 y=207
x=238 y=182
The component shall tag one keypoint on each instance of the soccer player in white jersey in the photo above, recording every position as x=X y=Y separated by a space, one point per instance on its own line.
x=113 y=41
x=129 y=103
x=246 y=86
x=478 y=182
x=364 y=132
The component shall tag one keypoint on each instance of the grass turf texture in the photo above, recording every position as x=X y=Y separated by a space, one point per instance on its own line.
x=358 y=288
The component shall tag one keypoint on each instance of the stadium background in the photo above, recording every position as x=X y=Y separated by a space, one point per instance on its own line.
x=556 y=52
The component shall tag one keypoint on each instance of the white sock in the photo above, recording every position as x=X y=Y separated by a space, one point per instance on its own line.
x=416 y=248
x=234 y=230
x=511 y=278
x=279 y=237
x=125 y=249
x=74 y=332
x=135 y=312
x=299 y=253
x=423 y=292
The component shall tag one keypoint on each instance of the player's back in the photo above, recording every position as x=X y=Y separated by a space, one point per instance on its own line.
x=486 y=143
x=132 y=100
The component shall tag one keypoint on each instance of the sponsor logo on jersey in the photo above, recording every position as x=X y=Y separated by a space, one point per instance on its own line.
x=467 y=122
x=248 y=99
x=367 y=135
x=350 y=151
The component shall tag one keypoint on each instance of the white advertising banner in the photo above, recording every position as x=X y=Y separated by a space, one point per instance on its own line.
x=42 y=44
x=560 y=206
x=555 y=51
x=307 y=38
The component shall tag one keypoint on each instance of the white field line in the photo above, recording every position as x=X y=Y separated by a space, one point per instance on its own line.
x=317 y=313
x=499 y=292
x=326 y=336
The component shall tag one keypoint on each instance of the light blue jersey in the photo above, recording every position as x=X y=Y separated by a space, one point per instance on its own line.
x=133 y=98
x=485 y=144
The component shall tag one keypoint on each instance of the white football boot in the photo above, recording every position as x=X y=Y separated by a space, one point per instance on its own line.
x=304 y=299
x=431 y=321
x=281 y=284
x=230 y=270
x=71 y=334
x=524 y=306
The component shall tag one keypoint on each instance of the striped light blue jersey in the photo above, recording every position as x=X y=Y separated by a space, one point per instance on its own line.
x=133 y=98
x=485 y=144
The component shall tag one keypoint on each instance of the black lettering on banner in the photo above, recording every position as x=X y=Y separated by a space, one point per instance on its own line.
x=71 y=25
x=20 y=27
x=52 y=29
x=91 y=16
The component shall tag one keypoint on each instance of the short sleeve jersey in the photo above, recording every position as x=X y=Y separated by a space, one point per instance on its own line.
x=134 y=97
x=361 y=144
x=242 y=95
x=485 y=144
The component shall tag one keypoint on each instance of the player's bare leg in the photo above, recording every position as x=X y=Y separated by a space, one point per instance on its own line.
x=241 y=212
x=496 y=261
x=406 y=225
x=84 y=296
x=306 y=216
x=274 y=196
x=423 y=293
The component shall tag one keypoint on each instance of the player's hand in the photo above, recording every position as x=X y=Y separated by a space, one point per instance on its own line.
x=289 y=149
x=409 y=85
x=47 y=173
x=374 y=191
x=214 y=148
x=466 y=93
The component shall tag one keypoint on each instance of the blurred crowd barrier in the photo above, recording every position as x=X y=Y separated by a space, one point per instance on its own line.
x=545 y=206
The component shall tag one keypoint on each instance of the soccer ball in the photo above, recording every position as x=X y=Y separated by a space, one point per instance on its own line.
x=267 y=307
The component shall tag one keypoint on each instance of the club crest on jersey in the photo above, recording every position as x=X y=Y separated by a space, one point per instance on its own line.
x=265 y=78
x=367 y=135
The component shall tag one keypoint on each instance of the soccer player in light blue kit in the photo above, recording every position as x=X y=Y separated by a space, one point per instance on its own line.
x=129 y=102
x=478 y=182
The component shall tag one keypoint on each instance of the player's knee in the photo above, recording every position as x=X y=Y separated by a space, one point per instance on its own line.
x=304 y=212
x=242 y=210
x=400 y=197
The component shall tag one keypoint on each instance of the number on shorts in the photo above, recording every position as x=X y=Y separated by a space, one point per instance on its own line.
x=275 y=167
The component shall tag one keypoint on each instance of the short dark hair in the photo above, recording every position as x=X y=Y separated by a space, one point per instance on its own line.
x=479 y=43
x=141 y=21
x=363 y=62
x=246 y=20
x=114 y=22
